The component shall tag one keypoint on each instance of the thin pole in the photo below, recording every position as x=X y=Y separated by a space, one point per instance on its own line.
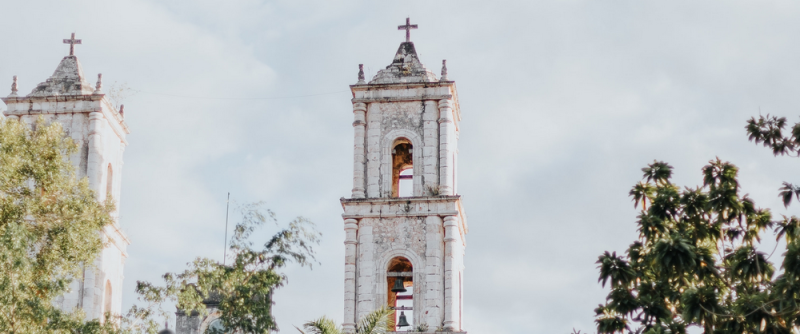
x=225 y=251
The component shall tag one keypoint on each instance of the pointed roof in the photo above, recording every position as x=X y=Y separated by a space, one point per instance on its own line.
x=68 y=79
x=405 y=68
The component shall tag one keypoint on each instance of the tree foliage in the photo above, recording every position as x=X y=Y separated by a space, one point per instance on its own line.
x=769 y=131
x=244 y=287
x=50 y=223
x=696 y=261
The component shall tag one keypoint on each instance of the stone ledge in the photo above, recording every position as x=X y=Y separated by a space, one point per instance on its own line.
x=402 y=98
x=393 y=207
x=54 y=98
x=401 y=199
x=402 y=84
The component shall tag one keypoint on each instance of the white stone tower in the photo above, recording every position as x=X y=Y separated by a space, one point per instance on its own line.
x=405 y=219
x=99 y=129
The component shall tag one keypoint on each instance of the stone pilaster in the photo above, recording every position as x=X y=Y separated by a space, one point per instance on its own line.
x=373 y=150
x=359 y=128
x=446 y=145
x=94 y=168
x=434 y=272
x=452 y=238
x=430 y=150
x=365 y=281
x=118 y=180
x=350 y=242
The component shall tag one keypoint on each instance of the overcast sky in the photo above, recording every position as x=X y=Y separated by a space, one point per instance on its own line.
x=563 y=103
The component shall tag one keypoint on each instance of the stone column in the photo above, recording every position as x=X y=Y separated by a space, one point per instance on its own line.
x=365 y=279
x=451 y=270
x=430 y=149
x=446 y=145
x=359 y=113
x=433 y=306
x=94 y=168
x=118 y=180
x=350 y=241
x=374 y=150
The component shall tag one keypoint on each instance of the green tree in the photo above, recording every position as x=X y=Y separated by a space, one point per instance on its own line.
x=696 y=261
x=244 y=287
x=379 y=321
x=50 y=223
x=769 y=131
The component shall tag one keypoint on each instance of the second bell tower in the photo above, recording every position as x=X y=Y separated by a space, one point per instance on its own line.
x=405 y=226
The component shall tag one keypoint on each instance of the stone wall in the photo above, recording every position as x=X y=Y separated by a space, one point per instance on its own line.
x=381 y=229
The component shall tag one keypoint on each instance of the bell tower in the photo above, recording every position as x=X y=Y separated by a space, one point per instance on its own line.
x=404 y=224
x=99 y=129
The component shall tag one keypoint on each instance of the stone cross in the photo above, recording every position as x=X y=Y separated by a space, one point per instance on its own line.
x=72 y=41
x=407 y=28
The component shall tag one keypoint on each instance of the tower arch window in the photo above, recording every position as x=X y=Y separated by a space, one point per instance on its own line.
x=107 y=299
x=405 y=184
x=400 y=294
x=216 y=326
x=402 y=168
x=110 y=181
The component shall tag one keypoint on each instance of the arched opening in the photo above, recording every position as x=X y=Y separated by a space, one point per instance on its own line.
x=109 y=181
x=402 y=168
x=216 y=326
x=107 y=299
x=405 y=186
x=400 y=276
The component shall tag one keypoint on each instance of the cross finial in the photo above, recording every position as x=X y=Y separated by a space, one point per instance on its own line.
x=361 y=74
x=98 y=88
x=407 y=28
x=72 y=41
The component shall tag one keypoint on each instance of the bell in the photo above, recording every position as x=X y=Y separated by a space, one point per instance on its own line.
x=402 y=322
x=398 y=285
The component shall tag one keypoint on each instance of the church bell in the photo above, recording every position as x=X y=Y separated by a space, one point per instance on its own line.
x=402 y=322
x=398 y=285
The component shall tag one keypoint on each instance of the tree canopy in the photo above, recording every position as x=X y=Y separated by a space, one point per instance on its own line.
x=244 y=287
x=50 y=223
x=769 y=131
x=697 y=263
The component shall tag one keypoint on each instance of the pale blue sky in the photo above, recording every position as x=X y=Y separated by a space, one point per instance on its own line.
x=562 y=101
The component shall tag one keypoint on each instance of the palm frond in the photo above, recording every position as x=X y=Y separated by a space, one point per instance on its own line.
x=376 y=322
x=322 y=325
x=787 y=191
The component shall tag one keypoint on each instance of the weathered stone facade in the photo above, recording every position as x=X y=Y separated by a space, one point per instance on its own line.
x=195 y=323
x=406 y=105
x=99 y=129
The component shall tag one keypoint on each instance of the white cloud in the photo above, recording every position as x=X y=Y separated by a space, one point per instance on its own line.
x=563 y=103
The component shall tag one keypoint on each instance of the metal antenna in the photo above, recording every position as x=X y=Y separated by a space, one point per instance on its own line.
x=225 y=251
